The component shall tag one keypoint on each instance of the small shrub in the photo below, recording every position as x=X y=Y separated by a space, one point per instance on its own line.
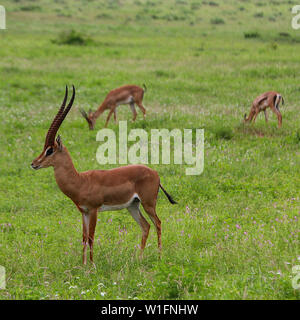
x=224 y=133
x=150 y=3
x=217 y=21
x=72 y=37
x=251 y=35
x=258 y=15
x=213 y=4
x=31 y=8
x=298 y=136
x=273 y=45
x=103 y=16
x=154 y=17
x=164 y=74
x=173 y=17
x=195 y=5
x=284 y=34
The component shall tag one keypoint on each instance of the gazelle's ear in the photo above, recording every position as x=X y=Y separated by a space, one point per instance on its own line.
x=59 y=143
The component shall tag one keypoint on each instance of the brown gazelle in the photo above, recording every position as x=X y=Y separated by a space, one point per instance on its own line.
x=101 y=190
x=128 y=94
x=270 y=99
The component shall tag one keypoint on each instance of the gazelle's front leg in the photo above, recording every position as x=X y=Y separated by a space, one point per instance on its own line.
x=89 y=221
x=92 y=227
x=85 y=233
x=249 y=118
x=254 y=118
x=109 y=115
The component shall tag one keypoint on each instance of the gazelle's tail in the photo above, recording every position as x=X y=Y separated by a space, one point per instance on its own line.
x=168 y=196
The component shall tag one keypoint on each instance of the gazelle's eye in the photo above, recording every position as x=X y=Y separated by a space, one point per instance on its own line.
x=49 y=151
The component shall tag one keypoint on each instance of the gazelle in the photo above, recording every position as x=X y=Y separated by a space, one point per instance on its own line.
x=270 y=99
x=101 y=190
x=128 y=94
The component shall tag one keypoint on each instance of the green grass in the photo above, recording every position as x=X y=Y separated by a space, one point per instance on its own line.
x=235 y=231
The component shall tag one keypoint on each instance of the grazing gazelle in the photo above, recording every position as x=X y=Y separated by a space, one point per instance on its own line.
x=270 y=99
x=101 y=190
x=128 y=94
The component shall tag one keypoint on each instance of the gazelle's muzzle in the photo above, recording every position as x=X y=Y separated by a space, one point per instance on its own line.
x=36 y=163
x=35 y=167
x=87 y=118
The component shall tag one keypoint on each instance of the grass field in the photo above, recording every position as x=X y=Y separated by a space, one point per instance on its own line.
x=234 y=233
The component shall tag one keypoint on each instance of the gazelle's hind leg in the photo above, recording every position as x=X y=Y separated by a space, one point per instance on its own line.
x=140 y=105
x=148 y=192
x=278 y=114
x=266 y=115
x=134 y=113
x=150 y=210
x=138 y=217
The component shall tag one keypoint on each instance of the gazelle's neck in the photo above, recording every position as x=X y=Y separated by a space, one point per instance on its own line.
x=100 y=110
x=67 y=177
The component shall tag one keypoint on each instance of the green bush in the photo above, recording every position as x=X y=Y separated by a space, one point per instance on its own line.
x=251 y=35
x=72 y=37
x=217 y=21
x=284 y=34
x=298 y=136
x=30 y=8
x=225 y=133
x=258 y=15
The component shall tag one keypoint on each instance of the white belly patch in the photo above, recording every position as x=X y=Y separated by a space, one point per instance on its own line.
x=263 y=105
x=126 y=101
x=121 y=206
